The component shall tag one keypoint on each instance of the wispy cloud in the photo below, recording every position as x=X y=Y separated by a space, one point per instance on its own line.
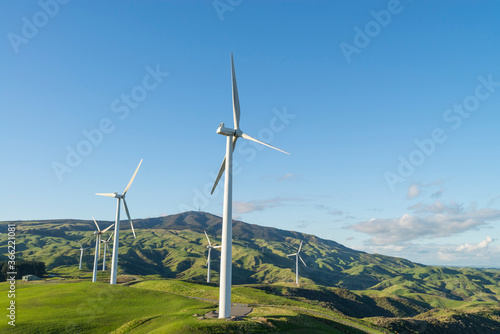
x=259 y=205
x=428 y=221
x=329 y=210
x=288 y=176
x=437 y=207
x=336 y=212
x=437 y=194
x=417 y=189
x=413 y=191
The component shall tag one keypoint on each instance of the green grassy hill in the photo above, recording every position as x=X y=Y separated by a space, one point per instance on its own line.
x=391 y=292
x=84 y=307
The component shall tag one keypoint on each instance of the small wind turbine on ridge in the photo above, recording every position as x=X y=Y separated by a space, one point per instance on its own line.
x=105 y=246
x=210 y=247
x=119 y=197
x=297 y=257
x=232 y=136
x=81 y=254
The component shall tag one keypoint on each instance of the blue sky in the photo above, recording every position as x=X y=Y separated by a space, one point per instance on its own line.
x=389 y=108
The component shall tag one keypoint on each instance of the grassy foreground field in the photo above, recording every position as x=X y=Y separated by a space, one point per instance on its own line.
x=85 y=307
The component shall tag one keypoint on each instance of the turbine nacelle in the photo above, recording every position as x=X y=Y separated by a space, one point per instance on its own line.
x=222 y=130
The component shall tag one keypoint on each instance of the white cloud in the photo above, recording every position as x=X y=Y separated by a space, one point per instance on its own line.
x=474 y=247
x=427 y=222
x=430 y=253
x=413 y=191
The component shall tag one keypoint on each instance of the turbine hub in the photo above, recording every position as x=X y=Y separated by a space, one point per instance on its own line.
x=222 y=130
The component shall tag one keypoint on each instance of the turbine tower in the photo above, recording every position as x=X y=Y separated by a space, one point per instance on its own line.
x=81 y=254
x=119 y=197
x=105 y=246
x=227 y=166
x=210 y=247
x=98 y=247
x=297 y=257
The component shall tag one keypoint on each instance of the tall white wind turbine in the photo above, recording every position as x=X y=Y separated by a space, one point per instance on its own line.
x=297 y=257
x=81 y=254
x=227 y=166
x=119 y=197
x=105 y=247
x=98 y=234
x=210 y=247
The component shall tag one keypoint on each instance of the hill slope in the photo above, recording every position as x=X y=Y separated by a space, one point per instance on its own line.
x=358 y=284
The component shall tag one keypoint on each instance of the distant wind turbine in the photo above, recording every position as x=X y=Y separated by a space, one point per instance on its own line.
x=105 y=246
x=81 y=254
x=210 y=247
x=227 y=166
x=297 y=257
x=98 y=234
x=114 y=259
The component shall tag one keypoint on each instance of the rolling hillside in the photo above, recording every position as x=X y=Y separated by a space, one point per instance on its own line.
x=392 y=292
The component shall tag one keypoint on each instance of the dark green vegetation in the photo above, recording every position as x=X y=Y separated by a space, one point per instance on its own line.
x=36 y=268
x=391 y=292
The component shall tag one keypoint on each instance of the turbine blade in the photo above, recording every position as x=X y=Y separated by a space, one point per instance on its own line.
x=96 y=224
x=106 y=194
x=107 y=228
x=222 y=168
x=217 y=247
x=292 y=254
x=80 y=245
x=302 y=261
x=132 y=179
x=221 y=171
x=244 y=135
x=300 y=247
x=236 y=100
x=128 y=215
x=208 y=239
x=110 y=236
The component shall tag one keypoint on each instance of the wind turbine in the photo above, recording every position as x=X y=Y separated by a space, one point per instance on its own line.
x=227 y=166
x=114 y=259
x=81 y=254
x=297 y=257
x=98 y=234
x=105 y=246
x=210 y=247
